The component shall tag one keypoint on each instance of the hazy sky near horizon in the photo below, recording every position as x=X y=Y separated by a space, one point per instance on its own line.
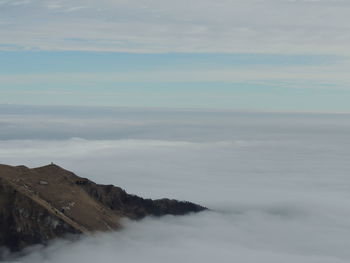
x=271 y=55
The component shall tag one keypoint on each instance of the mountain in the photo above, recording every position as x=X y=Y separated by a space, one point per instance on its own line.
x=40 y=204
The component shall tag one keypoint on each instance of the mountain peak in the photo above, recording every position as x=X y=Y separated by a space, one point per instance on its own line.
x=39 y=204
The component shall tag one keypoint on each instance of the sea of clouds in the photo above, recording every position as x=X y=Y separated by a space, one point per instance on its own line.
x=278 y=184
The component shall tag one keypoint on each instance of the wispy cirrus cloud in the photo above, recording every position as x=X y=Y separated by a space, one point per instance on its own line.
x=220 y=32
x=166 y=26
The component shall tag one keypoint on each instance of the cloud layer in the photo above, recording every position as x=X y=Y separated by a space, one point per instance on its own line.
x=278 y=183
x=272 y=26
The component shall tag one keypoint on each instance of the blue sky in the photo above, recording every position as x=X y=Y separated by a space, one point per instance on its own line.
x=230 y=54
x=17 y=62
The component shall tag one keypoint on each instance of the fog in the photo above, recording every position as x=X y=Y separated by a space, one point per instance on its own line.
x=278 y=184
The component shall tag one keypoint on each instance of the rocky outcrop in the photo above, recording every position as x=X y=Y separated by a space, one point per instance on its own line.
x=37 y=205
x=133 y=206
x=23 y=221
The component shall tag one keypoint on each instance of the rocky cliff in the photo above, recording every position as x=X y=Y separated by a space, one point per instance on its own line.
x=37 y=205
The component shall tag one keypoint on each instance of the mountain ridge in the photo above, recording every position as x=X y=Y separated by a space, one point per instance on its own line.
x=40 y=204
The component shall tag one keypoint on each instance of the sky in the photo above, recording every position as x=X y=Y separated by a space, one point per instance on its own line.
x=277 y=183
x=227 y=103
x=253 y=55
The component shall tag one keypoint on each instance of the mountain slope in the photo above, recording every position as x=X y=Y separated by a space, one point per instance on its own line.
x=43 y=203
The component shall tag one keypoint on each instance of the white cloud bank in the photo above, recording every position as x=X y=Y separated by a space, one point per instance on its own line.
x=278 y=183
x=250 y=26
